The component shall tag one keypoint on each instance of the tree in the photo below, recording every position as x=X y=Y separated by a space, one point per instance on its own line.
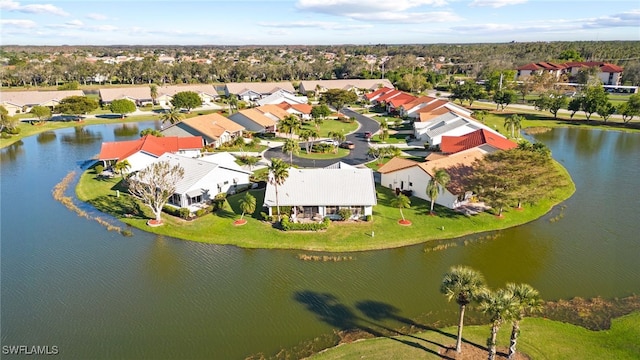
x=290 y=124
x=338 y=98
x=552 y=101
x=122 y=107
x=575 y=105
x=250 y=161
x=172 y=116
x=155 y=184
x=76 y=105
x=401 y=202
x=527 y=300
x=121 y=167
x=186 y=100
x=480 y=115
x=318 y=113
x=150 y=131
x=436 y=185
x=514 y=123
x=504 y=98
x=7 y=122
x=630 y=109
x=501 y=307
x=41 y=112
x=278 y=173
x=606 y=110
x=247 y=204
x=290 y=147
x=153 y=89
x=594 y=98
x=464 y=285
x=308 y=136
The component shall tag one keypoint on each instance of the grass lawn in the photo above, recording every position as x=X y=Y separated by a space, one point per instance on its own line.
x=331 y=125
x=540 y=339
x=392 y=139
x=323 y=156
x=340 y=237
x=259 y=148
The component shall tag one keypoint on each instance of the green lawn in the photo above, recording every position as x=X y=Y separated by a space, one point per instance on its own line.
x=539 y=338
x=331 y=125
x=323 y=156
x=392 y=139
x=340 y=237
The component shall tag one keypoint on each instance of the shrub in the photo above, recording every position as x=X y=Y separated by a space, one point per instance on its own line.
x=201 y=212
x=288 y=225
x=177 y=212
x=367 y=218
x=184 y=213
x=13 y=130
x=98 y=169
x=345 y=214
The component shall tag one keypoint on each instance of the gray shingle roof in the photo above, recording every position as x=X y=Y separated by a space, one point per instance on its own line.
x=445 y=126
x=324 y=187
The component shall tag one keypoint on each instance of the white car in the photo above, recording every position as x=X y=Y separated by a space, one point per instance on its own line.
x=329 y=142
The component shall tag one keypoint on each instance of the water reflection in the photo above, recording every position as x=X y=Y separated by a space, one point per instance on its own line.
x=12 y=152
x=82 y=136
x=46 y=137
x=126 y=130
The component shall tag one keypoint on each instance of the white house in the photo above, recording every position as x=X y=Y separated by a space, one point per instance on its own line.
x=445 y=122
x=402 y=174
x=16 y=102
x=251 y=91
x=139 y=95
x=320 y=86
x=207 y=93
x=214 y=128
x=282 y=96
x=204 y=179
x=317 y=193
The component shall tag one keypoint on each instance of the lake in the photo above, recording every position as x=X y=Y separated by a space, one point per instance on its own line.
x=66 y=281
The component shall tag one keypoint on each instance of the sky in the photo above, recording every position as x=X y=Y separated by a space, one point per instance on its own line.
x=314 y=22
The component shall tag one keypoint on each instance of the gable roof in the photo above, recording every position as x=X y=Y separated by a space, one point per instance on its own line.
x=395 y=164
x=428 y=116
x=136 y=93
x=22 y=98
x=421 y=100
x=303 y=108
x=171 y=90
x=389 y=95
x=274 y=110
x=455 y=144
x=378 y=92
x=213 y=125
x=438 y=103
x=149 y=144
x=346 y=84
x=401 y=99
x=263 y=88
x=256 y=116
x=324 y=187
x=283 y=96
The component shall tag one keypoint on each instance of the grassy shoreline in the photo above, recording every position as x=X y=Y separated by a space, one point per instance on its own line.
x=381 y=233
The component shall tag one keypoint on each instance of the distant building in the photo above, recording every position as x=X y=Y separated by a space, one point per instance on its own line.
x=609 y=74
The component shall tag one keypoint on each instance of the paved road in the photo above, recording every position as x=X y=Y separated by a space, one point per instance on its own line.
x=356 y=156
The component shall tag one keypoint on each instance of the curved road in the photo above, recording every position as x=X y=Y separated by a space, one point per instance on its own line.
x=356 y=156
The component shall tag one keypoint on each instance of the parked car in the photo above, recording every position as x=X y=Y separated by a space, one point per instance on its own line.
x=329 y=142
x=367 y=134
x=348 y=145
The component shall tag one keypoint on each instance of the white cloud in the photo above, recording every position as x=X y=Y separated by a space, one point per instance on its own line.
x=316 y=24
x=103 y=28
x=10 y=5
x=496 y=3
x=95 y=16
x=23 y=24
x=626 y=19
x=400 y=11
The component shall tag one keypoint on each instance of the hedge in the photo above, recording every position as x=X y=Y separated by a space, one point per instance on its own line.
x=288 y=225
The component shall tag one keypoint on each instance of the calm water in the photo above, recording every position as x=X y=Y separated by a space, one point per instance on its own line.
x=68 y=282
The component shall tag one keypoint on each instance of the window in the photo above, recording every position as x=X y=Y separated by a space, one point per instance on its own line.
x=331 y=210
x=175 y=199
x=226 y=182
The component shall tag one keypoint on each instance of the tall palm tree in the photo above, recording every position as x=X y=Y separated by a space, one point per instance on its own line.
x=402 y=202
x=122 y=167
x=436 y=185
x=173 y=116
x=247 y=204
x=278 y=173
x=291 y=146
x=527 y=300
x=153 y=88
x=513 y=122
x=463 y=285
x=501 y=307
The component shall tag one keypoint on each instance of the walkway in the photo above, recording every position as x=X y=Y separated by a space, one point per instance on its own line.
x=356 y=156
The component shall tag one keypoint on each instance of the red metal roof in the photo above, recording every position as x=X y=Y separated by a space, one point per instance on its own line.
x=455 y=144
x=379 y=91
x=150 y=144
x=402 y=98
x=421 y=100
x=388 y=95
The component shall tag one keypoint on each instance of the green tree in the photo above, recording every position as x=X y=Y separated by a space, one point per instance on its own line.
x=250 y=161
x=401 y=202
x=76 y=105
x=594 y=98
x=172 y=116
x=155 y=184
x=504 y=98
x=308 y=136
x=501 y=307
x=318 y=113
x=186 y=100
x=552 y=101
x=437 y=184
x=575 y=105
x=7 y=122
x=606 y=110
x=527 y=300
x=290 y=124
x=150 y=131
x=514 y=123
x=338 y=98
x=278 y=173
x=153 y=89
x=122 y=107
x=464 y=285
x=290 y=147
x=122 y=167
x=247 y=204
x=41 y=112
x=630 y=109
x=570 y=55
x=480 y=115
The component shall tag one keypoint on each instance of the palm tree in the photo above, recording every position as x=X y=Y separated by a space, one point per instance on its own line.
x=290 y=124
x=501 y=307
x=247 y=204
x=513 y=122
x=278 y=173
x=527 y=300
x=464 y=285
x=291 y=146
x=153 y=88
x=233 y=103
x=122 y=167
x=402 y=202
x=172 y=116
x=436 y=185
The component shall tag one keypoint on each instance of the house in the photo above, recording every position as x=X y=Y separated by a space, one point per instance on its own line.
x=207 y=93
x=319 y=86
x=445 y=121
x=17 y=102
x=486 y=141
x=410 y=109
x=532 y=68
x=254 y=120
x=272 y=111
x=204 y=179
x=609 y=74
x=384 y=97
x=215 y=129
x=374 y=95
x=397 y=101
x=318 y=193
x=139 y=95
x=282 y=96
x=142 y=152
x=303 y=111
x=403 y=174
x=251 y=91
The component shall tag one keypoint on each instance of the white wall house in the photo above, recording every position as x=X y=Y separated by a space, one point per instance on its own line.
x=282 y=96
x=448 y=124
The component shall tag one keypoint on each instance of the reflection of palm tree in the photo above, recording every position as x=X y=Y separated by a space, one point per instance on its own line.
x=501 y=307
x=527 y=300
x=278 y=173
x=436 y=185
x=172 y=116
x=463 y=285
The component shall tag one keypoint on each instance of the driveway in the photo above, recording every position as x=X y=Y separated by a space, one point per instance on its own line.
x=356 y=156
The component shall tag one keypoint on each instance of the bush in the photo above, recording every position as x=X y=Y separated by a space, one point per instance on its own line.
x=184 y=213
x=201 y=212
x=98 y=169
x=288 y=225
x=367 y=218
x=12 y=131
x=177 y=212
x=345 y=214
